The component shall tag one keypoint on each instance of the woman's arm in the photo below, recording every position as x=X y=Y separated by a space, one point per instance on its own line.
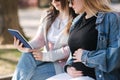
x=57 y=54
x=106 y=59
x=38 y=41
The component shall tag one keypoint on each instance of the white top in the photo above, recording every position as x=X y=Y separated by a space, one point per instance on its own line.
x=59 y=50
x=55 y=30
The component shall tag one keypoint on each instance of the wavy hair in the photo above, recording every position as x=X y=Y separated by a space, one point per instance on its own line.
x=52 y=13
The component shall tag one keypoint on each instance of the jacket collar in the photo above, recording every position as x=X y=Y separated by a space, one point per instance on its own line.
x=100 y=17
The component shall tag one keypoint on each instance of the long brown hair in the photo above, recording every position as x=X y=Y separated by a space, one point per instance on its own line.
x=52 y=13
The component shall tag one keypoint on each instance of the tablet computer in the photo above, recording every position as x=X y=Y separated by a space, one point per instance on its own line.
x=19 y=36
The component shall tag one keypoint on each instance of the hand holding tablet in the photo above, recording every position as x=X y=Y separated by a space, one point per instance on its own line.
x=19 y=36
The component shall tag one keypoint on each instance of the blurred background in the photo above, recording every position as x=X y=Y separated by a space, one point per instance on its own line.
x=23 y=15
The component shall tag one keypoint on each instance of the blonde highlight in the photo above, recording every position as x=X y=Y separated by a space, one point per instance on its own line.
x=94 y=6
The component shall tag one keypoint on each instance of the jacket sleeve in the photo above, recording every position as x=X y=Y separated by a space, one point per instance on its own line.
x=107 y=59
x=68 y=63
x=39 y=41
x=57 y=54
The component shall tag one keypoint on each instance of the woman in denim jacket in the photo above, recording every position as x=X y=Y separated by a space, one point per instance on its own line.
x=101 y=51
x=35 y=64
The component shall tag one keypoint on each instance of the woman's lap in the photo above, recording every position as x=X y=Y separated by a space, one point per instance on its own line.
x=28 y=68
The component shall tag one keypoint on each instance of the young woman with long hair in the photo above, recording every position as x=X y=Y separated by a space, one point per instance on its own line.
x=94 y=41
x=52 y=35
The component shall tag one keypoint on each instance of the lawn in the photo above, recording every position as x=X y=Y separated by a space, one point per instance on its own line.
x=8 y=60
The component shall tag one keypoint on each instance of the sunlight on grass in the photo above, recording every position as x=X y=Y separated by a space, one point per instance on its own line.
x=8 y=61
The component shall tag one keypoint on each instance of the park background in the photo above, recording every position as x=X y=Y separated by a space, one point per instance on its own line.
x=25 y=16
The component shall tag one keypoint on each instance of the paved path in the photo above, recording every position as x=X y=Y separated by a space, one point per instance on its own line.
x=29 y=19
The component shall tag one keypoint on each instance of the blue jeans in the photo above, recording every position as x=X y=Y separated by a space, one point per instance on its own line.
x=30 y=69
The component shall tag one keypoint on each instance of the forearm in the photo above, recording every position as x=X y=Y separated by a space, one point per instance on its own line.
x=105 y=60
x=56 y=55
x=38 y=41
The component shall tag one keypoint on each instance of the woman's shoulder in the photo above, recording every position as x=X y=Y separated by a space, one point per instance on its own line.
x=114 y=14
x=107 y=15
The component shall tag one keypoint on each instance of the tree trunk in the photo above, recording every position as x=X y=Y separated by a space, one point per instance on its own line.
x=8 y=19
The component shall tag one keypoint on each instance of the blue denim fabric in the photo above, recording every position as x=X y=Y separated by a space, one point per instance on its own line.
x=30 y=69
x=106 y=58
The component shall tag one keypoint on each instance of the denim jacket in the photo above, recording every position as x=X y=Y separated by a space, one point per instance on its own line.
x=106 y=58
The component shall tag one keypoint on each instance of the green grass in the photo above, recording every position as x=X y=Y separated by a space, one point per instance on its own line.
x=8 y=61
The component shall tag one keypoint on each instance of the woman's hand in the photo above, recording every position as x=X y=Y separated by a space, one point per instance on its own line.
x=73 y=72
x=19 y=46
x=37 y=54
x=77 y=55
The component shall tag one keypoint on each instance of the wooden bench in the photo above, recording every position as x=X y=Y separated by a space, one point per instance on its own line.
x=8 y=77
